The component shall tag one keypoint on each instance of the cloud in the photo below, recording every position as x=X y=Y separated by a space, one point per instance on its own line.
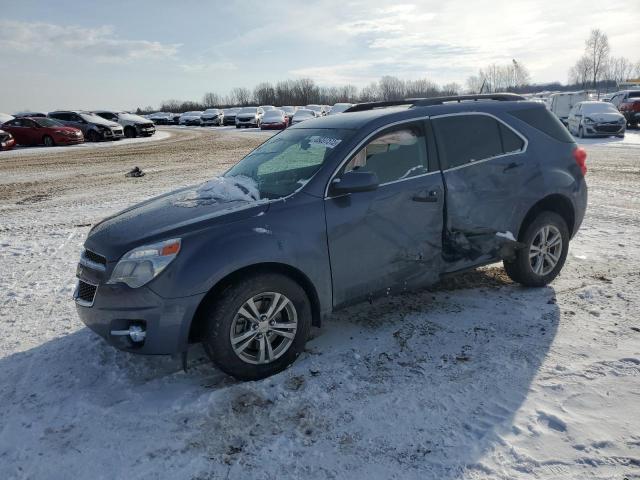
x=208 y=67
x=100 y=43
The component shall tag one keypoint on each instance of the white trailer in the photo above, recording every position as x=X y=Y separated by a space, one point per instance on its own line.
x=562 y=103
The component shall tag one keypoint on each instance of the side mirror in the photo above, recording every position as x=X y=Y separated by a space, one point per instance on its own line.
x=354 y=181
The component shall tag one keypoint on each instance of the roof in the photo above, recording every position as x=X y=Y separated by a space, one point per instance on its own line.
x=381 y=116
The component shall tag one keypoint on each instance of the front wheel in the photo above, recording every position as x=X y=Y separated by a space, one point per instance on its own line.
x=93 y=136
x=130 y=132
x=546 y=244
x=257 y=328
x=48 y=141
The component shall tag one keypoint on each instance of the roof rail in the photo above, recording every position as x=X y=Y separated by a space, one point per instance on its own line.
x=361 y=107
x=424 y=102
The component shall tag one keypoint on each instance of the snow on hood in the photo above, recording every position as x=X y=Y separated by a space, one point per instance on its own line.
x=220 y=190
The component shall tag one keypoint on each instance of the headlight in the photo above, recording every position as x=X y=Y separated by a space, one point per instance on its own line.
x=588 y=120
x=622 y=120
x=102 y=128
x=141 y=265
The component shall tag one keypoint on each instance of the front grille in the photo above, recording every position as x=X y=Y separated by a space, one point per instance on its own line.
x=86 y=293
x=608 y=128
x=94 y=257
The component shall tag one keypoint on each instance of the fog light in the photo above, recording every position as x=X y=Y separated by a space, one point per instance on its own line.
x=136 y=333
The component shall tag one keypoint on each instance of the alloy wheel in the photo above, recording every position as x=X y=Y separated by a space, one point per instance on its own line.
x=545 y=250
x=264 y=328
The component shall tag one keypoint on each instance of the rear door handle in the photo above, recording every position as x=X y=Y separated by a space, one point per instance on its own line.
x=430 y=197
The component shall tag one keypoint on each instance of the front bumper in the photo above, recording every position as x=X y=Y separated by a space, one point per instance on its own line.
x=117 y=307
x=114 y=134
x=69 y=140
x=146 y=130
x=8 y=144
x=211 y=121
x=603 y=129
x=247 y=122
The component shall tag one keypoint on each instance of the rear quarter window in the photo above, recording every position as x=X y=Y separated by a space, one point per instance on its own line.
x=543 y=120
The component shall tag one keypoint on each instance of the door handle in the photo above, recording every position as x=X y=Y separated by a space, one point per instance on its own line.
x=511 y=166
x=430 y=197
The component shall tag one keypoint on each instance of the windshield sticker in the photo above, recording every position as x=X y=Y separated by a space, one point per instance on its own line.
x=327 y=142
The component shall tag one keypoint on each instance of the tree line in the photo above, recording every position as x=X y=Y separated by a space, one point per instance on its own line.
x=597 y=67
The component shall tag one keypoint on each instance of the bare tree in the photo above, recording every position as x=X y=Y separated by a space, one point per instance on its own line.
x=619 y=69
x=211 y=99
x=391 y=88
x=241 y=96
x=581 y=72
x=597 y=50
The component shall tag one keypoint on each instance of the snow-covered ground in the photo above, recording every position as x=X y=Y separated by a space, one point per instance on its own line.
x=39 y=150
x=476 y=379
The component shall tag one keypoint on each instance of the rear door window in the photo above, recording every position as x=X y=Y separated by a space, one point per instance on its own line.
x=464 y=139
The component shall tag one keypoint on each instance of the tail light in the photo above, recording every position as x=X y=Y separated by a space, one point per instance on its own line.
x=580 y=156
x=635 y=106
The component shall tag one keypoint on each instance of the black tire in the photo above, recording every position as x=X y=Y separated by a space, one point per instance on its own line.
x=220 y=313
x=520 y=269
x=48 y=141
x=93 y=136
x=130 y=132
x=237 y=126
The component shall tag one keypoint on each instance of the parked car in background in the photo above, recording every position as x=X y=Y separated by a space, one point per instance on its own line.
x=29 y=114
x=622 y=96
x=303 y=114
x=42 y=131
x=134 y=125
x=249 y=117
x=191 y=118
x=7 y=142
x=266 y=108
x=596 y=119
x=212 y=116
x=4 y=117
x=378 y=202
x=93 y=127
x=161 y=118
x=319 y=109
x=339 y=108
x=274 y=120
x=288 y=110
x=562 y=103
x=230 y=115
x=630 y=108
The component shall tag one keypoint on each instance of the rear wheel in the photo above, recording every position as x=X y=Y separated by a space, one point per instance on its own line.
x=48 y=141
x=130 y=132
x=546 y=241
x=257 y=328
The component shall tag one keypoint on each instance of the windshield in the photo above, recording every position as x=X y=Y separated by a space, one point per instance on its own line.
x=274 y=114
x=47 y=122
x=211 y=110
x=193 y=114
x=317 y=108
x=303 y=113
x=287 y=161
x=249 y=110
x=90 y=117
x=598 y=108
x=132 y=117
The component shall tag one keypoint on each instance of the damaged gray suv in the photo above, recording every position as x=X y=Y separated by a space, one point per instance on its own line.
x=388 y=197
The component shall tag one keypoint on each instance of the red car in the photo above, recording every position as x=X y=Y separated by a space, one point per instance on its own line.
x=274 y=120
x=7 y=141
x=42 y=131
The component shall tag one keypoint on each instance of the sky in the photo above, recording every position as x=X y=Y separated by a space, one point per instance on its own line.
x=121 y=55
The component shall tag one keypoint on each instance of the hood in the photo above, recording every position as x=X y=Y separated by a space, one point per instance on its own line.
x=106 y=123
x=176 y=214
x=604 y=117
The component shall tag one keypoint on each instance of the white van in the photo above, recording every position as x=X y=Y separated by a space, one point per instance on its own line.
x=562 y=103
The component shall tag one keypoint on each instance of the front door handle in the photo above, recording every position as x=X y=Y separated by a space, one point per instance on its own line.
x=430 y=197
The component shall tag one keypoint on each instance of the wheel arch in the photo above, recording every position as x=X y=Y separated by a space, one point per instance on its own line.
x=197 y=322
x=557 y=203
